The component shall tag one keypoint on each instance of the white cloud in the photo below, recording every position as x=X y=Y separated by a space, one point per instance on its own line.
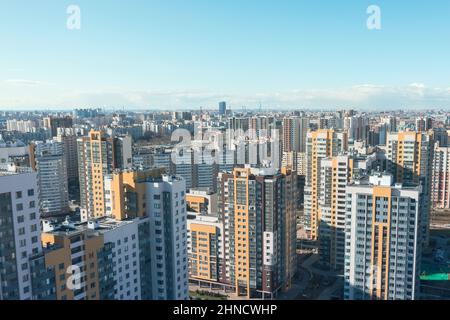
x=24 y=82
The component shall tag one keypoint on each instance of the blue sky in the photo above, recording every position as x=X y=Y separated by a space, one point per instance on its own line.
x=188 y=53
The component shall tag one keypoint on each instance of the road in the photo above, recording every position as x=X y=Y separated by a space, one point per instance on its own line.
x=306 y=270
x=308 y=264
x=297 y=288
x=328 y=292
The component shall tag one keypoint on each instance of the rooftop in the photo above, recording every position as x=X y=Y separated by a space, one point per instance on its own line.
x=11 y=169
x=98 y=226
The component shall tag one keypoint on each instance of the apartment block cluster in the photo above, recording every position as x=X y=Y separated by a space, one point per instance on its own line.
x=100 y=205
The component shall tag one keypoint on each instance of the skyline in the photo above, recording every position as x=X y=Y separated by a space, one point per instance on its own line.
x=183 y=55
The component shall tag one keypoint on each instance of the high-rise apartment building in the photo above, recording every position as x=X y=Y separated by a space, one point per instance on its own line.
x=125 y=193
x=441 y=135
x=440 y=178
x=49 y=160
x=357 y=127
x=14 y=153
x=98 y=156
x=19 y=231
x=202 y=201
x=261 y=126
x=166 y=210
x=123 y=154
x=410 y=155
x=295 y=131
x=185 y=167
x=335 y=173
x=68 y=138
x=205 y=248
x=320 y=144
x=161 y=198
x=239 y=123
x=101 y=259
x=296 y=161
x=137 y=252
x=256 y=207
x=383 y=239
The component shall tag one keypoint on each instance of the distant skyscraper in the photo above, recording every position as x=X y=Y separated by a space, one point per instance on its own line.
x=222 y=108
x=383 y=240
x=20 y=125
x=424 y=124
x=53 y=123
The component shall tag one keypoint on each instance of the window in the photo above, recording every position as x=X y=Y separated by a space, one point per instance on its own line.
x=31 y=192
x=19 y=195
x=19 y=207
x=32 y=204
x=20 y=219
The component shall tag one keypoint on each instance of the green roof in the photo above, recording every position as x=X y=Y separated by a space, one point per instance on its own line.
x=435 y=272
x=436 y=277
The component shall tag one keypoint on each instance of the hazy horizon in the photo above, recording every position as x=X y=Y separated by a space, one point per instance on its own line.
x=182 y=54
